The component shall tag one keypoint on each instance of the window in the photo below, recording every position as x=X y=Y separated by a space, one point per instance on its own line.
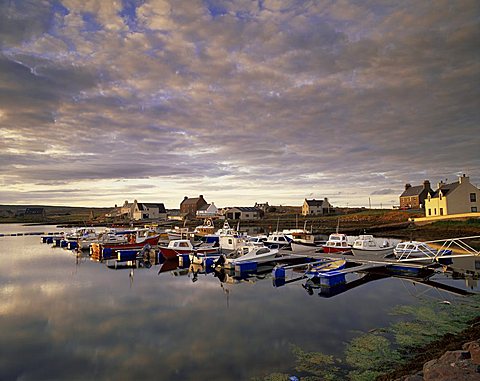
x=441 y=211
x=473 y=197
x=473 y=209
x=429 y=212
x=435 y=211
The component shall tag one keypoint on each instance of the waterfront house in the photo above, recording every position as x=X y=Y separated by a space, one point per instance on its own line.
x=454 y=198
x=207 y=211
x=243 y=213
x=316 y=207
x=149 y=211
x=414 y=197
x=190 y=206
x=141 y=211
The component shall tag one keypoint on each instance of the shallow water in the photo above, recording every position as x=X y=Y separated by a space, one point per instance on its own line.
x=67 y=317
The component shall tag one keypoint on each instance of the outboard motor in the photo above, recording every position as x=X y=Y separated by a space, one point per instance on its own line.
x=220 y=261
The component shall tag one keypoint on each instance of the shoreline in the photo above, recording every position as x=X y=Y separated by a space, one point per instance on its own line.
x=434 y=351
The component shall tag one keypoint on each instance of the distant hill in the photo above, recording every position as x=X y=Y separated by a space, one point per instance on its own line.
x=48 y=213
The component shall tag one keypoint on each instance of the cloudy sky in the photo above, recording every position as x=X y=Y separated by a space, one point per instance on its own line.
x=241 y=101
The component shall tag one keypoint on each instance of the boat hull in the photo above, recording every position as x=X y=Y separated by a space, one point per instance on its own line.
x=152 y=241
x=375 y=252
x=168 y=252
x=332 y=249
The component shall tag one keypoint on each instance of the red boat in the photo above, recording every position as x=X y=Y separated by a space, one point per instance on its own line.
x=100 y=251
x=134 y=243
x=337 y=243
x=184 y=246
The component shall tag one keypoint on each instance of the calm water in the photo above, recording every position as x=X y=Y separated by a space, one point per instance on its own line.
x=63 y=317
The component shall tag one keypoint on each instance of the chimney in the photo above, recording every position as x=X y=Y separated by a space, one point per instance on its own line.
x=463 y=179
x=408 y=186
x=185 y=198
x=201 y=196
x=440 y=184
x=426 y=184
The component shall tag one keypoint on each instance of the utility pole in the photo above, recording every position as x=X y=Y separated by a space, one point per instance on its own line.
x=369 y=203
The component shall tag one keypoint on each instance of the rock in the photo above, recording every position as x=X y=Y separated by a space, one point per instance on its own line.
x=452 y=366
x=474 y=348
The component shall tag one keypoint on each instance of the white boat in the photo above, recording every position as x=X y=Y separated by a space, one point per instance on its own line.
x=338 y=242
x=248 y=253
x=81 y=233
x=415 y=250
x=257 y=240
x=277 y=240
x=298 y=247
x=178 y=233
x=106 y=237
x=367 y=244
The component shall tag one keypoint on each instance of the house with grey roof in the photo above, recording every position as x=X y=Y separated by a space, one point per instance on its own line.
x=243 y=213
x=316 y=207
x=413 y=197
x=455 y=198
x=141 y=211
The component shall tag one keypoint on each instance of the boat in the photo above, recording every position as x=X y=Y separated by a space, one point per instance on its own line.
x=247 y=254
x=184 y=246
x=258 y=239
x=207 y=228
x=142 y=237
x=413 y=250
x=367 y=244
x=109 y=236
x=81 y=233
x=178 y=233
x=300 y=235
x=278 y=240
x=337 y=242
x=298 y=247
x=325 y=267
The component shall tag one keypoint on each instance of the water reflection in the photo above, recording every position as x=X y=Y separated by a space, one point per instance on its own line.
x=72 y=317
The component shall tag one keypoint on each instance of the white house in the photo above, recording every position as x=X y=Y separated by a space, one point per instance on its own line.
x=143 y=211
x=454 y=198
x=243 y=213
x=312 y=207
x=209 y=210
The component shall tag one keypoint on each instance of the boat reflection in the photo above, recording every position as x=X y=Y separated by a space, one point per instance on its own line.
x=467 y=268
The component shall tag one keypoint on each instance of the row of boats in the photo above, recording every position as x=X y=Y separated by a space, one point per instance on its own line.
x=229 y=246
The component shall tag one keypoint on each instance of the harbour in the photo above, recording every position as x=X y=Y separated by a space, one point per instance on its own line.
x=173 y=320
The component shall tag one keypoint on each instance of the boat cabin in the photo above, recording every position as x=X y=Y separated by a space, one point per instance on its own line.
x=180 y=244
x=337 y=240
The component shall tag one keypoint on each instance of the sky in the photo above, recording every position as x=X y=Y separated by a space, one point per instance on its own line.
x=239 y=101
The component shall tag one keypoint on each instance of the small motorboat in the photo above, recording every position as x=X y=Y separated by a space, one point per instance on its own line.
x=247 y=253
x=414 y=250
x=184 y=246
x=325 y=267
x=367 y=244
x=337 y=243
x=277 y=240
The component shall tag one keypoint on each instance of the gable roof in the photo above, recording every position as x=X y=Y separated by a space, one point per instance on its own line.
x=204 y=207
x=314 y=202
x=412 y=191
x=446 y=188
x=191 y=201
x=246 y=209
x=160 y=206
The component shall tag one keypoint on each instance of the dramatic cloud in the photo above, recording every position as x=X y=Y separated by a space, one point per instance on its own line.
x=241 y=101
